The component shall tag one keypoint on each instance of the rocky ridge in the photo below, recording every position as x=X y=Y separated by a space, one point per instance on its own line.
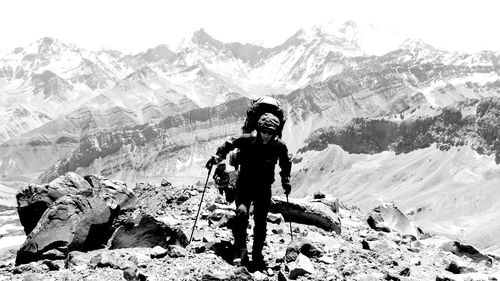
x=472 y=122
x=358 y=253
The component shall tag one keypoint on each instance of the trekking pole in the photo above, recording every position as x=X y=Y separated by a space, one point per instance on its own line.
x=291 y=235
x=201 y=201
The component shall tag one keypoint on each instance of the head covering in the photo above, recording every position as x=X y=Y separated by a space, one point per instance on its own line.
x=268 y=122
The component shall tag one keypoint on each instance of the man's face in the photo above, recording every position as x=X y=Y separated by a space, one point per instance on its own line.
x=267 y=136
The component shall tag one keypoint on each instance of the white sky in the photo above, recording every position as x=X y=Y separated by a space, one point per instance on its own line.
x=134 y=26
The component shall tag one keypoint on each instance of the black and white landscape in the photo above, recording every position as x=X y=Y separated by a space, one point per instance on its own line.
x=404 y=122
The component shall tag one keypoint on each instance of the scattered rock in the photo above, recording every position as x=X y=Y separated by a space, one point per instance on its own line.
x=240 y=273
x=130 y=273
x=182 y=198
x=405 y=272
x=51 y=265
x=308 y=248
x=318 y=195
x=169 y=220
x=380 y=246
x=333 y=204
x=175 y=251
x=164 y=182
x=317 y=214
x=142 y=259
x=301 y=266
x=387 y=217
x=454 y=268
x=292 y=252
x=29 y=267
x=466 y=250
x=76 y=260
x=216 y=276
x=53 y=254
x=219 y=214
x=278 y=231
x=112 y=260
x=275 y=218
x=158 y=252
x=312 y=251
x=349 y=269
x=327 y=260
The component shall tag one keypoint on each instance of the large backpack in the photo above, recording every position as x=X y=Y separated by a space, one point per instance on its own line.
x=260 y=106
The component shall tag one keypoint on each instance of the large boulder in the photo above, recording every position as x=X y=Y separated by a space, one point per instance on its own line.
x=74 y=222
x=136 y=229
x=310 y=213
x=115 y=193
x=387 y=217
x=33 y=200
x=466 y=250
x=80 y=218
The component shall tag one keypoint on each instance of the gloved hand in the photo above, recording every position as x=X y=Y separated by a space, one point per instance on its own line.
x=214 y=160
x=221 y=177
x=285 y=183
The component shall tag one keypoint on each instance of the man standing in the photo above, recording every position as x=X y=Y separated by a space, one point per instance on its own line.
x=258 y=157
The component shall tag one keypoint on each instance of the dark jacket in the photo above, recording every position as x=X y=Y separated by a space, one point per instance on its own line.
x=257 y=160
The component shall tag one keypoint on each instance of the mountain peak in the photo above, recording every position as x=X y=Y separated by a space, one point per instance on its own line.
x=45 y=46
x=51 y=84
x=370 y=39
x=157 y=53
x=46 y=41
x=143 y=72
x=201 y=37
x=416 y=44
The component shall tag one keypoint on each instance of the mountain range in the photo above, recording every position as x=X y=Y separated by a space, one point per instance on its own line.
x=161 y=113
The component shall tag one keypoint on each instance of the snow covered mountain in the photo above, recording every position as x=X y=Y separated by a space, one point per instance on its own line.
x=324 y=68
x=207 y=72
x=52 y=78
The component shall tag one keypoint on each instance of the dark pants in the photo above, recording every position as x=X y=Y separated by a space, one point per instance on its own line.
x=261 y=201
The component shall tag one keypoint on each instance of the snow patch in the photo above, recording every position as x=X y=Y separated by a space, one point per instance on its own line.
x=8 y=228
x=12 y=241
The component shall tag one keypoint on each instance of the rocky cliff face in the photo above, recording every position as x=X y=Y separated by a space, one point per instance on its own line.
x=473 y=122
x=153 y=148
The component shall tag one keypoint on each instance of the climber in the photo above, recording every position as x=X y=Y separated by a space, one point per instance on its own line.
x=258 y=157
